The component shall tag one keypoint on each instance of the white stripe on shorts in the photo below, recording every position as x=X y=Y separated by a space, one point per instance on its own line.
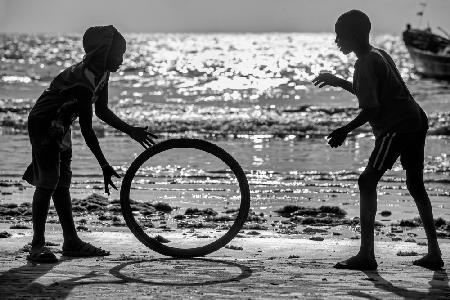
x=387 y=150
x=380 y=151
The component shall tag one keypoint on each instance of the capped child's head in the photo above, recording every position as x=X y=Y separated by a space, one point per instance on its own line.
x=352 y=30
x=104 y=47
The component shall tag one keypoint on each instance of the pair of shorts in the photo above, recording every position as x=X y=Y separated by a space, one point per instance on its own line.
x=409 y=146
x=50 y=166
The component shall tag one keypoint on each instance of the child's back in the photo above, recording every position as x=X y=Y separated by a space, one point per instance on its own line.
x=375 y=72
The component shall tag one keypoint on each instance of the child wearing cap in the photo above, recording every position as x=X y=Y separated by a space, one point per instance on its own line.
x=399 y=125
x=71 y=95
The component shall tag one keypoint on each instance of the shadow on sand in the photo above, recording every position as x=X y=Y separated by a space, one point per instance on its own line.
x=187 y=272
x=20 y=282
x=439 y=287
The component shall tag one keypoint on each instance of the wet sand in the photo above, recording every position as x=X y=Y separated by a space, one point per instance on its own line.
x=288 y=253
x=276 y=266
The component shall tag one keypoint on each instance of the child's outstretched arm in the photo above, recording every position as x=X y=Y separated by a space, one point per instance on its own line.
x=324 y=79
x=139 y=134
x=85 y=119
x=338 y=136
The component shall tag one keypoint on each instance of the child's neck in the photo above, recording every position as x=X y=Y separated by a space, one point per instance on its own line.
x=95 y=70
x=362 y=50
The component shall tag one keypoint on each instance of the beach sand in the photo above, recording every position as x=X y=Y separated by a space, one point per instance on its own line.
x=270 y=266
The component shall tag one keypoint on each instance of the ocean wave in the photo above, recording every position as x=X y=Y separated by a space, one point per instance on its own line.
x=304 y=121
x=219 y=85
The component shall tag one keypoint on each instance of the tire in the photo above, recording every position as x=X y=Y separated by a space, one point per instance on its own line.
x=205 y=146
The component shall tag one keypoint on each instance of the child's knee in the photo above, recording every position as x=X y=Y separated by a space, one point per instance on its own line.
x=43 y=192
x=61 y=191
x=415 y=187
x=414 y=182
x=367 y=181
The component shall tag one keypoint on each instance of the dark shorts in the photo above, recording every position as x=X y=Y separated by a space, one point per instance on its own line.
x=50 y=165
x=408 y=146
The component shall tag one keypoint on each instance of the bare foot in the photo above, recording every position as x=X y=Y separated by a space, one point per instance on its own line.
x=82 y=249
x=358 y=262
x=42 y=255
x=429 y=261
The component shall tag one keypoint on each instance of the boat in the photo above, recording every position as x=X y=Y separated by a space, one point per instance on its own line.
x=429 y=52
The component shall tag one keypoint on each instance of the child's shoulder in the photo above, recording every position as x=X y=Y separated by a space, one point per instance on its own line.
x=72 y=71
x=73 y=76
x=376 y=60
x=373 y=57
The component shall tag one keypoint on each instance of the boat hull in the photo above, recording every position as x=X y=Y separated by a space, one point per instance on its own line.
x=429 y=64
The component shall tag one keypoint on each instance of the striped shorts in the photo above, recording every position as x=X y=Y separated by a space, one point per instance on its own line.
x=409 y=146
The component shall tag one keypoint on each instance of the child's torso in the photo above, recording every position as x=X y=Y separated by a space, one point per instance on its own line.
x=399 y=112
x=75 y=83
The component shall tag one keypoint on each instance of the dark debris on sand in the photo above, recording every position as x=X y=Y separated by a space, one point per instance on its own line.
x=93 y=204
x=108 y=213
x=5 y=235
x=200 y=212
x=8 y=210
x=321 y=216
x=416 y=222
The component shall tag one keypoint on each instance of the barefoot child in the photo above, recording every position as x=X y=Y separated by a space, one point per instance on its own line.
x=70 y=95
x=399 y=126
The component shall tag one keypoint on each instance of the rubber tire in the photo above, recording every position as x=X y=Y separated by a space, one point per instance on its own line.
x=185 y=143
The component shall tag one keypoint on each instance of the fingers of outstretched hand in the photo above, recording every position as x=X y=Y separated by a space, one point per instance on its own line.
x=115 y=174
x=149 y=134
x=336 y=141
x=146 y=142
x=317 y=81
x=108 y=172
x=321 y=83
x=108 y=182
x=149 y=141
x=324 y=79
x=332 y=143
x=106 y=186
x=112 y=184
x=143 y=145
x=333 y=134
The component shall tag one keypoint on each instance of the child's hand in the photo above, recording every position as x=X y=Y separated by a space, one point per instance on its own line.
x=108 y=172
x=143 y=136
x=325 y=79
x=337 y=137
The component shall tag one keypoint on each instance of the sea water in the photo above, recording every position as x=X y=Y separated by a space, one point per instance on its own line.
x=248 y=93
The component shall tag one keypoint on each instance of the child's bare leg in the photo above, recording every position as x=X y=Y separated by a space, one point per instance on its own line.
x=365 y=259
x=63 y=206
x=414 y=182
x=73 y=245
x=41 y=202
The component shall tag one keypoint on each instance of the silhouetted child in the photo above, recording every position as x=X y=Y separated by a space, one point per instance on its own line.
x=399 y=125
x=70 y=95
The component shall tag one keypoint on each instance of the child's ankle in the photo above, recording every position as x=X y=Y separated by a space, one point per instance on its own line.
x=366 y=254
x=435 y=252
x=72 y=241
x=37 y=243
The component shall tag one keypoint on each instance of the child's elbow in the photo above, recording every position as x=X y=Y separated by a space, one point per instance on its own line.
x=372 y=112
x=375 y=110
x=100 y=113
